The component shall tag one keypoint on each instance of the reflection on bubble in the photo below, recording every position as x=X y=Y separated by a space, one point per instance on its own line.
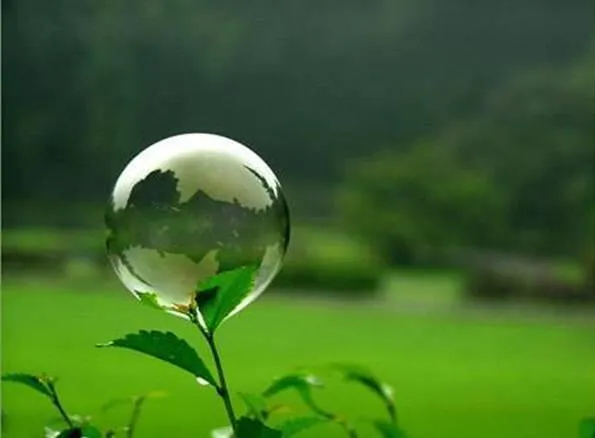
x=192 y=206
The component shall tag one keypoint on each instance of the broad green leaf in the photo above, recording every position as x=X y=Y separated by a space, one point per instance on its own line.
x=587 y=428
x=34 y=382
x=80 y=432
x=167 y=347
x=255 y=404
x=220 y=294
x=388 y=429
x=149 y=299
x=303 y=384
x=296 y=425
x=251 y=428
x=361 y=375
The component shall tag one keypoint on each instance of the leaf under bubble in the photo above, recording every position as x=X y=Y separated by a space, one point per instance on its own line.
x=149 y=299
x=220 y=294
x=167 y=347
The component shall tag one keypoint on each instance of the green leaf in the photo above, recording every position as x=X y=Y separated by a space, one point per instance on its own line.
x=251 y=428
x=388 y=429
x=80 y=432
x=220 y=294
x=256 y=405
x=38 y=383
x=296 y=425
x=303 y=384
x=149 y=299
x=587 y=428
x=361 y=375
x=167 y=347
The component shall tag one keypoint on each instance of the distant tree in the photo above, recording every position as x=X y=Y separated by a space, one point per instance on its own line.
x=518 y=176
x=536 y=141
x=418 y=200
x=86 y=85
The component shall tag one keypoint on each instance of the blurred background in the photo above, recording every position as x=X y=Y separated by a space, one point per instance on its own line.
x=438 y=159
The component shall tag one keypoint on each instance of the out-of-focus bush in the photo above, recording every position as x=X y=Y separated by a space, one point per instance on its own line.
x=328 y=263
x=516 y=176
x=33 y=249
x=513 y=278
x=408 y=205
x=319 y=260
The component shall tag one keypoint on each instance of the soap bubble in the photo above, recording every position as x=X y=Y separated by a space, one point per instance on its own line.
x=190 y=207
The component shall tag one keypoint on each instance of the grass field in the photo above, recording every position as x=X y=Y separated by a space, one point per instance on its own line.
x=458 y=375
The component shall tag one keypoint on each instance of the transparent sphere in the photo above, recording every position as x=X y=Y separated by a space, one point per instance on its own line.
x=190 y=207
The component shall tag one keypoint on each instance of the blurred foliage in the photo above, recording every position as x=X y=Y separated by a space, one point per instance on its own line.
x=457 y=125
x=518 y=176
x=40 y=240
x=319 y=276
x=323 y=261
x=402 y=202
x=88 y=84
x=318 y=258
x=509 y=278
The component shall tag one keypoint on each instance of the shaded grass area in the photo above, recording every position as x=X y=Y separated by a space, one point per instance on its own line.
x=454 y=376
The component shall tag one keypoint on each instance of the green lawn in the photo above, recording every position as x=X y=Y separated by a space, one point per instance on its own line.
x=456 y=375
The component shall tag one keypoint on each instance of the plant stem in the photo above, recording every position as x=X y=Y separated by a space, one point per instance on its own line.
x=222 y=390
x=57 y=404
x=134 y=417
x=351 y=432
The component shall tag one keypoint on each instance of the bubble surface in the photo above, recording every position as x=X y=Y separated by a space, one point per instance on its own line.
x=190 y=207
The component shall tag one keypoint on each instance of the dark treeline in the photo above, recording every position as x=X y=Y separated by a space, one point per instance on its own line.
x=308 y=85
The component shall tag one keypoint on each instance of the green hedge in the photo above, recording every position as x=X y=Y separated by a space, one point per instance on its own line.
x=319 y=260
x=325 y=262
x=514 y=279
x=329 y=278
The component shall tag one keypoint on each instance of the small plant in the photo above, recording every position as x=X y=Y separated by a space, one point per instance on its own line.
x=261 y=419
x=198 y=227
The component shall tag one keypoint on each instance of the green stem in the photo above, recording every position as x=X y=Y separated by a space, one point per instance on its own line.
x=58 y=405
x=351 y=432
x=392 y=411
x=134 y=417
x=222 y=389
